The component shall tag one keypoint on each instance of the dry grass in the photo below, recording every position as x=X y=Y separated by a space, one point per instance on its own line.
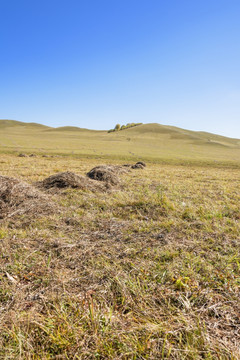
x=148 y=142
x=18 y=198
x=149 y=270
x=107 y=173
x=69 y=179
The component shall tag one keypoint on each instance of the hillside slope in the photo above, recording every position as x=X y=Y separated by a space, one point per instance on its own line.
x=5 y=123
x=154 y=130
x=147 y=141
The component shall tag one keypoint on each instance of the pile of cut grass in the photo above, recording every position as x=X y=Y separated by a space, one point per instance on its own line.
x=69 y=179
x=18 y=198
x=107 y=173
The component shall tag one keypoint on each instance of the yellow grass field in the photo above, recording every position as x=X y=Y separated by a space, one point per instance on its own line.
x=147 y=268
x=153 y=142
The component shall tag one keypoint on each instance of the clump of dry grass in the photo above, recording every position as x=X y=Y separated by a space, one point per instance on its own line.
x=69 y=179
x=18 y=197
x=139 y=165
x=107 y=173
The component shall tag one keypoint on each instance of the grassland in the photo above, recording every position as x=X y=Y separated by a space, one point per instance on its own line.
x=147 y=270
x=151 y=142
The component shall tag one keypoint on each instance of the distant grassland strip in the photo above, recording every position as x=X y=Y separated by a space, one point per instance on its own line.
x=151 y=142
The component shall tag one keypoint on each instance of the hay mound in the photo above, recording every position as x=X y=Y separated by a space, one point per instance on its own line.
x=18 y=198
x=63 y=180
x=139 y=165
x=106 y=173
x=69 y=179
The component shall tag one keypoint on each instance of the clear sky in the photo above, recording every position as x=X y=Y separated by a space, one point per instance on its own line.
x=95 y=63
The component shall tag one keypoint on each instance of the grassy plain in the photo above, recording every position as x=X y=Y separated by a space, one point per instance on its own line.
x=152 y=142
x=148 y=270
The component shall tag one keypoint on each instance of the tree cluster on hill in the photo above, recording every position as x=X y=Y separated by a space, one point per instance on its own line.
x=119 y=127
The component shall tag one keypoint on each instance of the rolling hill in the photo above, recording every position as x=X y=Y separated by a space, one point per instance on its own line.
x=147 y=141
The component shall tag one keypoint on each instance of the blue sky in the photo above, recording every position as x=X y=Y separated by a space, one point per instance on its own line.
x=95 y=63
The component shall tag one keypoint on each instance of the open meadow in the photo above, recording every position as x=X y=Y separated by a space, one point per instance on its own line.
x=151 y=142
x=146 y=266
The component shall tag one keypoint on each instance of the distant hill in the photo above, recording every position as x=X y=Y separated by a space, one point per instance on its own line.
x=154 y=130
x=69 y=128
x=147 y=141
x=4 y=123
